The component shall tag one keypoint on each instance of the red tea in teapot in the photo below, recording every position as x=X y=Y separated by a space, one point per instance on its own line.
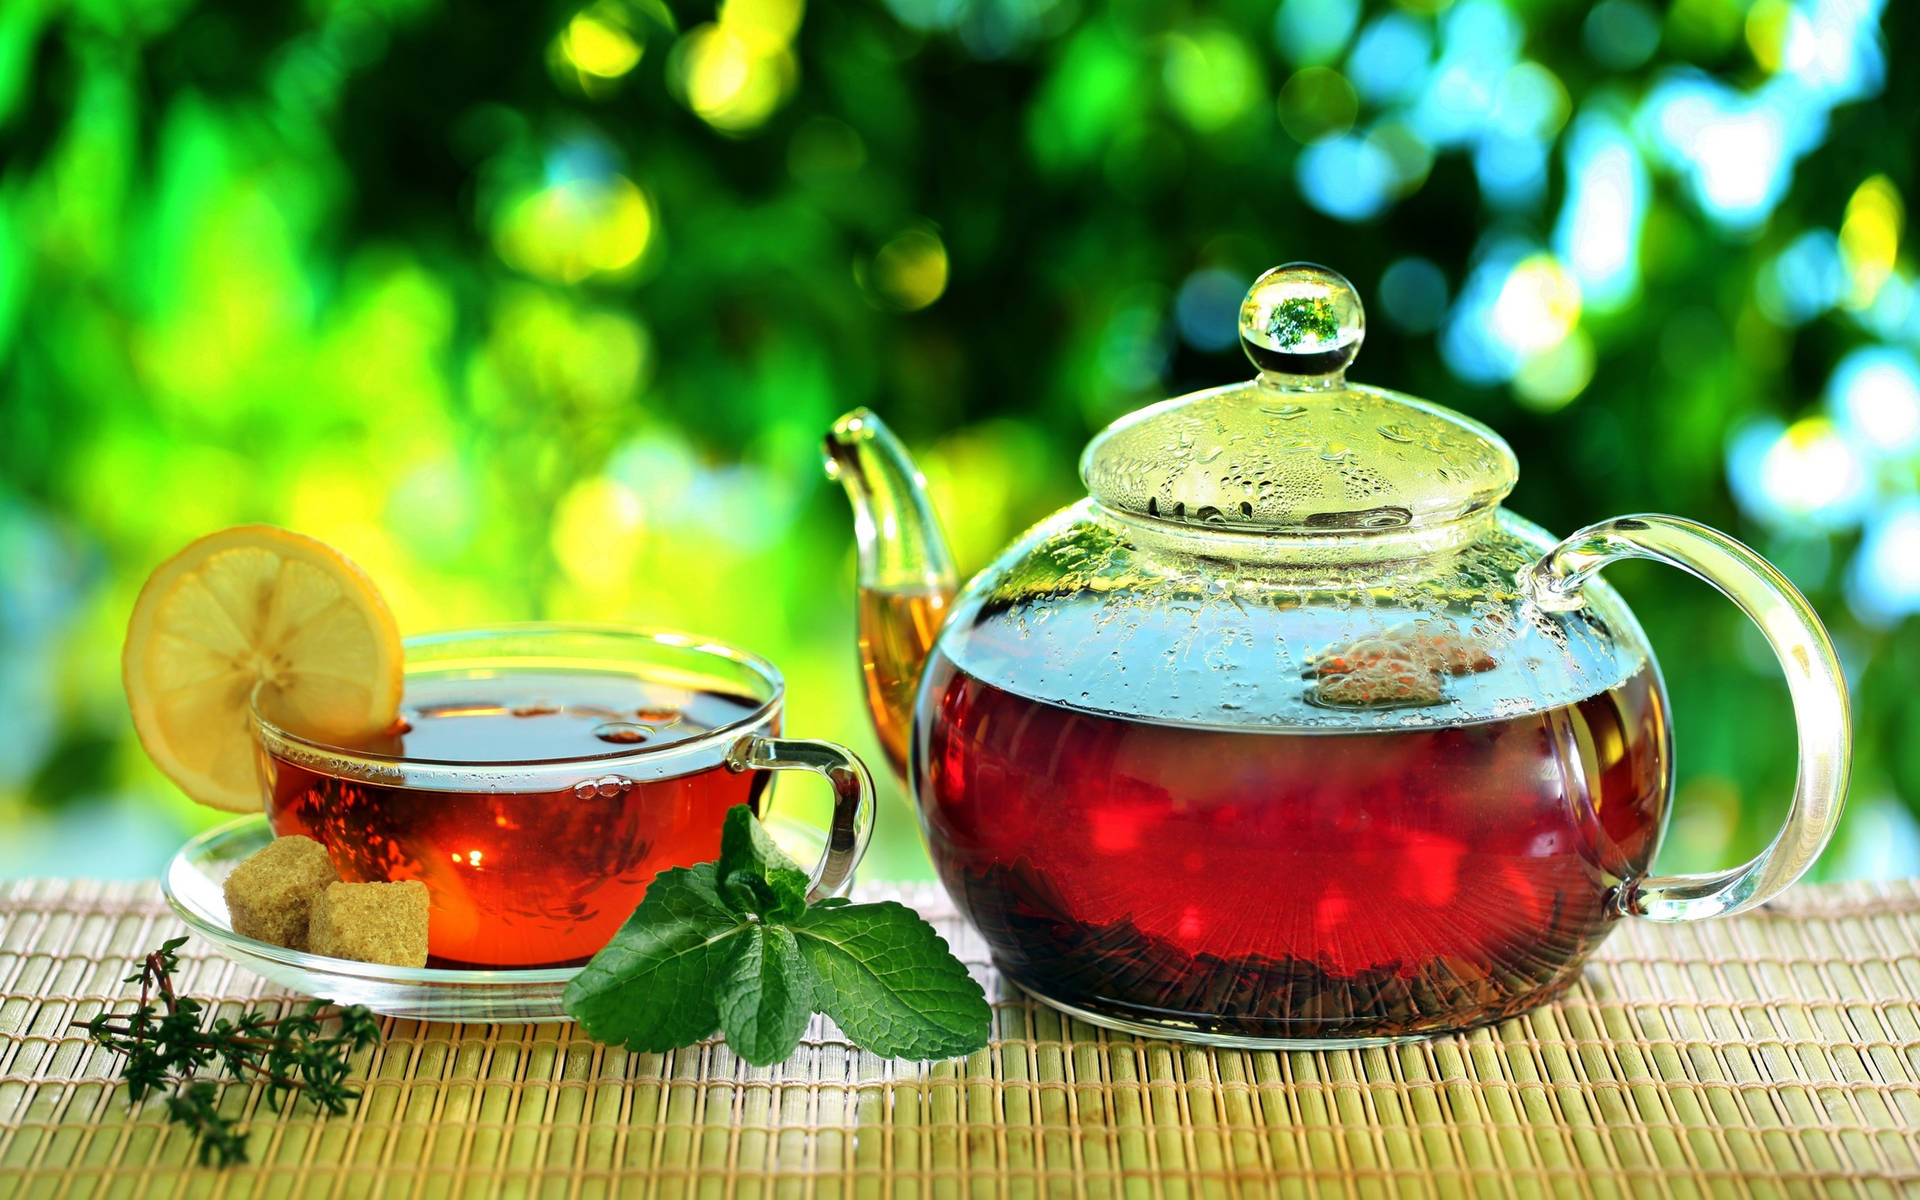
x=1291 y=884
x=526 y=877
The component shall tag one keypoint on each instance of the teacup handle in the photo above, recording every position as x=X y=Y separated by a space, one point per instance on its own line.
x=853 y=803
x=1813 y=678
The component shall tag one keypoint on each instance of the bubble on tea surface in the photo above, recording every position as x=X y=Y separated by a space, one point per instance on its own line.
x=607 y=786
x=622 y=733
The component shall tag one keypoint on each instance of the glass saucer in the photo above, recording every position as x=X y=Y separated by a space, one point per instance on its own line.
x=193 y=881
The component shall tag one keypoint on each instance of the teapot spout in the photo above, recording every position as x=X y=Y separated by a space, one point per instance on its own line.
x=906 y=579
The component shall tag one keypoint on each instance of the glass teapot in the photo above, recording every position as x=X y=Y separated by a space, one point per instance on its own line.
x=1288 y=732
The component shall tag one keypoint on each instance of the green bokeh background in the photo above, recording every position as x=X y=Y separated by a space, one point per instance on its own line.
x=539 y=311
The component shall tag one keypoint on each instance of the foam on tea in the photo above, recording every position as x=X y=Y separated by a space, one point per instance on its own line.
x=536 y=875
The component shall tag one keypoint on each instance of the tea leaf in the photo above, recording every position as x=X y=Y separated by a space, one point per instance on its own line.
x=653 y=986
x=767 y=997
x=890 y=982
x=759 y=878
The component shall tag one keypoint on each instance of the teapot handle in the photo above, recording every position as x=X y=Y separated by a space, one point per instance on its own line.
x=1819 y=694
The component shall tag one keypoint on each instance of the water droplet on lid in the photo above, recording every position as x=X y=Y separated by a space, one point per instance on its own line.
x=662 y=714
x=593 y=710
x=541 y=709
x=622 y=733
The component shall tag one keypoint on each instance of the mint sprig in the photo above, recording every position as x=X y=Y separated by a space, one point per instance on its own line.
x=733 y=945
x=888 y=981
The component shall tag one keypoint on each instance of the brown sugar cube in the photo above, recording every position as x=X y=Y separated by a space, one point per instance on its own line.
x=371 y=922
x=269 y=894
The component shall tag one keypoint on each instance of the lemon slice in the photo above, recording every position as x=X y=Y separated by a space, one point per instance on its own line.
x=255 y=607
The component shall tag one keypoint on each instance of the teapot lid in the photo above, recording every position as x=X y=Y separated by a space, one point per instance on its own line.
x=1298 y=449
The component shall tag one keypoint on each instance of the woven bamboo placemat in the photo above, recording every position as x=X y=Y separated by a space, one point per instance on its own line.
x=1775 y=1054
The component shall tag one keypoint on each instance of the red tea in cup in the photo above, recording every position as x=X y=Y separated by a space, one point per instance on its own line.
x=539 y=778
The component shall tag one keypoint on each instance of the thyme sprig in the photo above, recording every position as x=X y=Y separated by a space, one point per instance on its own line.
x=166 y=1047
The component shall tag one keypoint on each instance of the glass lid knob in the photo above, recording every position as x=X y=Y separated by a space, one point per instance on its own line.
x=1303 y=320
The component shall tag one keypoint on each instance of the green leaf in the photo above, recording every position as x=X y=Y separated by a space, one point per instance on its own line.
x=767 y=997
x=890 y=983
x=758 y=876
x=654 y=985
x=733 y=944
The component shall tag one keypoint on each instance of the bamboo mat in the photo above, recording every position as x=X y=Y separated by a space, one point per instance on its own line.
x=1775 y=1054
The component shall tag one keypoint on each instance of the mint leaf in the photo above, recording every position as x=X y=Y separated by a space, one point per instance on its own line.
x=654 y=985
x=734 y=945
x=767 y=997
x=890 y=983
x=757 y=875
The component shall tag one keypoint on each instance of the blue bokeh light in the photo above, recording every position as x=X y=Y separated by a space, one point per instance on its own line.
x=1468 y=342
x=1348 y=177
x=1874 y=395
x=1804 y=478
x=1312 y=33
x=1512 y=170
x=1481 y=42
x=1883 y=581
x=1736 y=149
x=1832 y=52
x=1598 y=233
x=1413 y=294
x=1390 y=59
x=1731 y=149
x=1803 y=281
x=1207 y=308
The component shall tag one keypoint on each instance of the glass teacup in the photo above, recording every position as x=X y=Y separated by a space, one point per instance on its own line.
x=541 y=775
